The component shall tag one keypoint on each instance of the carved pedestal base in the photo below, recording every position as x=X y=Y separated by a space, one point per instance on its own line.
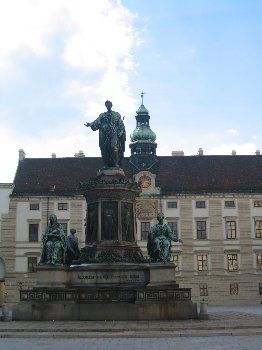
x=111 y=252
x=106 y=292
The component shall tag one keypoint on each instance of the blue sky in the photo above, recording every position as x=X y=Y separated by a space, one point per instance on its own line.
x=199 y=62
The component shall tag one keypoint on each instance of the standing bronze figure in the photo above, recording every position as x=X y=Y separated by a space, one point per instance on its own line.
x=73 y=252
x=112 y=136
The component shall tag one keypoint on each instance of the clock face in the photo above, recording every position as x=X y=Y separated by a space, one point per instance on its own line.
x=145 y=181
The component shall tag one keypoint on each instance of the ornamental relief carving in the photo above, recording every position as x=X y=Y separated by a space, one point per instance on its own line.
x=92 y=196
x=146 y=209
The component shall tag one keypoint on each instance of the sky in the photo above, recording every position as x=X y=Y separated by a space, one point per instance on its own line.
x=198 y=62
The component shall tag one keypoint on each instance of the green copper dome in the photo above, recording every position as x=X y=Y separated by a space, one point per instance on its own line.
x=142 y=110
x=143 y=133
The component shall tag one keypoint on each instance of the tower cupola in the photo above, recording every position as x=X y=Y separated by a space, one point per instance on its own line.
x=143 y=145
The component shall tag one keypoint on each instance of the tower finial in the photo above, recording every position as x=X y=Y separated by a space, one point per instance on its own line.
x=142 y=96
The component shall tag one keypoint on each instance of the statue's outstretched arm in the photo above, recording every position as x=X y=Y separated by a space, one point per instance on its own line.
x=95 y=125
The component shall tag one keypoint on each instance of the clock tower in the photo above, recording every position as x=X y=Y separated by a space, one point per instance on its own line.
x=143 y=145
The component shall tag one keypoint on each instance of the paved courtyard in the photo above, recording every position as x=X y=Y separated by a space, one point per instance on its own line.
x=235 y=327
x=179 y=343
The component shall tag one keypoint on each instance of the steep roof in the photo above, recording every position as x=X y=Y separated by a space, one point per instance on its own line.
x=188 y=174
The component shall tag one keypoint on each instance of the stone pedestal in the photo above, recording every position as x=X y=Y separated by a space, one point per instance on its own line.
x=110 y=219
x=106 y=292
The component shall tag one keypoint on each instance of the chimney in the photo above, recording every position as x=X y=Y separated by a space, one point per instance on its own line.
x=52 y=188
x=257 y=153
x=21 y=155
x=200 y=152
x=80 y=154
x=177 y=153
x=53 y=155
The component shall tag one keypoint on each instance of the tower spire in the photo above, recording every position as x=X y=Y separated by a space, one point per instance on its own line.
x=143 y=140
x=142 y=97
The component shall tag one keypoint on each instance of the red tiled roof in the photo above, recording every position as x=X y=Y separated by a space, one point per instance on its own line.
x=188 y=174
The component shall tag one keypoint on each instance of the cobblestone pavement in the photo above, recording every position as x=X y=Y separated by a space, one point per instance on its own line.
x=181 y=343
x=228 y=327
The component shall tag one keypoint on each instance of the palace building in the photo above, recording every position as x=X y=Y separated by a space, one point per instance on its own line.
x=213 y=203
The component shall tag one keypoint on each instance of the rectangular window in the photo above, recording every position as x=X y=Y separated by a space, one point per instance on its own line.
x=62 y=206
x=33 y=232
x=201 y=229
x=203 y=291
x=34 y=206
x=31 y=263
x=260 y=288
x=173 y=226
x=258 y=228
x=171 y=205
x=64 y=225
x=229 y=204
x=232 y=264
x=259 y=261
x=174 y=260
x=200 y=204
x=233 y=288
x=202 y=262
x=257 y=204
x=231 y=229
x=145 y=227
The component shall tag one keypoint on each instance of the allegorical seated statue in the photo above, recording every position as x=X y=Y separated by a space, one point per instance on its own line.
x=112 y=136
x=159 y=241
x=73 y=252
x=54 y=244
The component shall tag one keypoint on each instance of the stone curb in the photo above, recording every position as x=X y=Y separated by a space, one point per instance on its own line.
x=131 y=329
x=131 y=334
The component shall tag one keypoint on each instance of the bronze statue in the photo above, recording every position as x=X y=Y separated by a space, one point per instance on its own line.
x=110 y=224
x=54 y=244
x=127 y=222
x=73 y=252
x=92 y=223
x=112 y=136
x=159 y=241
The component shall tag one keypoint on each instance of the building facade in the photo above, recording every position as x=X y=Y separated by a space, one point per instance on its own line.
x=5 y=191
x=213 y=203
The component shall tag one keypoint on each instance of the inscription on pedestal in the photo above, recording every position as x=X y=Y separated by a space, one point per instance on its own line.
x=94 y=277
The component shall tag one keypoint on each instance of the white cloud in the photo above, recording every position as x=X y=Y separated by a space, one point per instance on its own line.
x=226 y=149
x=257 y=136
x=96 y=40
x=8 y=154
x=102 y=38
x=111 y=86
x=164 y=149
x=24 y=26
x=231 y=131
x=100 y=34
x=61 y=142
